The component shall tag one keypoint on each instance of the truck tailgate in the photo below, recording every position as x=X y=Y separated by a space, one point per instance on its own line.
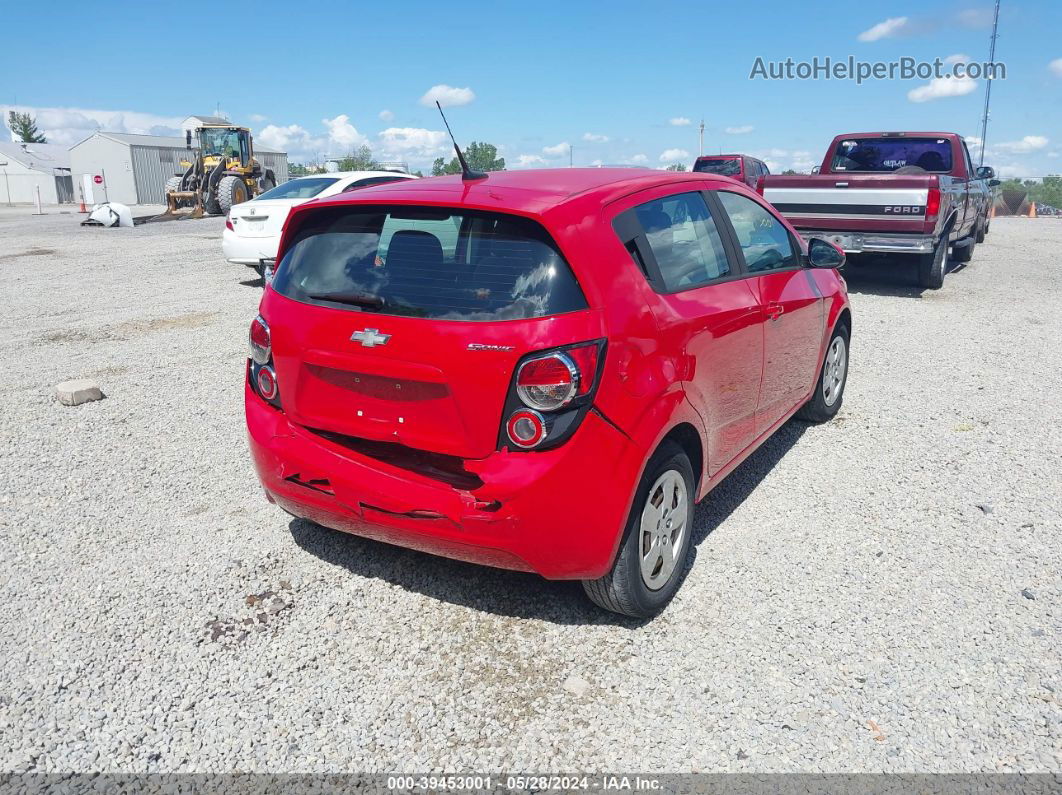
x=851 y=203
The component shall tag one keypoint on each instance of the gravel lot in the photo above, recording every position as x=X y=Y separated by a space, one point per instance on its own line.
x=881 y=593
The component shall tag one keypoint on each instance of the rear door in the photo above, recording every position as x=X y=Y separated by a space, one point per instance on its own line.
x=789 y=300
x=706 y=313
x=405 y=324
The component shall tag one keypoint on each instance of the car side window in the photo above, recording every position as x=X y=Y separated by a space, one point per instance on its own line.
x=763 y=239
x=364 y=183
x=684 y=240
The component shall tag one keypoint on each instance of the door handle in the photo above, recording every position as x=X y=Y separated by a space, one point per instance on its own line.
x=773 y=310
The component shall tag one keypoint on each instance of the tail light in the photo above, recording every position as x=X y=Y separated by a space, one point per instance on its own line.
x=933 y=204
x=526 y=428
x=262 y=376
x=267 y=383
x=260 y=342
x=228 y=224
x=551 y=394
x=759 y=185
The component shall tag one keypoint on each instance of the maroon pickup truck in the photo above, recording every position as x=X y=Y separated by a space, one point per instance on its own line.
x=909 y=193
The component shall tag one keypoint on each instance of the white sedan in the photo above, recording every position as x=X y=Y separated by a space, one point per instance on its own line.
x=252 y=230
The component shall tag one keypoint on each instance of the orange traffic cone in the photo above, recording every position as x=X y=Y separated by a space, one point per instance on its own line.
x=1032 y=209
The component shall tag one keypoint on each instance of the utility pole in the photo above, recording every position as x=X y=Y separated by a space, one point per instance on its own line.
x=988 y=82
x=700 y=145
x=570 y=147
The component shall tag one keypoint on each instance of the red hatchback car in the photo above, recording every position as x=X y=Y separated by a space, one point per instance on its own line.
x=538 y=370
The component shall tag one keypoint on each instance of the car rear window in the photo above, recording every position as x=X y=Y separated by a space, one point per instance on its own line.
x=728 y=167
x=446 y=264
x=303 y=188
x=889 y=154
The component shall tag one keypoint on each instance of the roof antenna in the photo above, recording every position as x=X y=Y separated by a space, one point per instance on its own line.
x=466 y=172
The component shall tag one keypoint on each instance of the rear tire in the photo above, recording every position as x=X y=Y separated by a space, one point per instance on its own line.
x=931 y=267
x=982 y=230
x=651 y=562
x=231 y=191
x=963 y=253
x=826 y=400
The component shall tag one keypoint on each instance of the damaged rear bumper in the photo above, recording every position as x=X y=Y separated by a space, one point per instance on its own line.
x=559 y=512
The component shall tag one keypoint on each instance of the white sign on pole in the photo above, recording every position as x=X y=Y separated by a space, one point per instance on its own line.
x=86 y=189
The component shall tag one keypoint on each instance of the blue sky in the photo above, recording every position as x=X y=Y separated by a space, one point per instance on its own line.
x=317 y=78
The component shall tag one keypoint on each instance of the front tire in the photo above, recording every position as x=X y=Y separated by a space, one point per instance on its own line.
x=931 y=267
x=833 y=376
x=651 y=562
x=231 y=191
x=982 y=230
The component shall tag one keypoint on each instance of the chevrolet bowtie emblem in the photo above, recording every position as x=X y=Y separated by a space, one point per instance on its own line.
x=370 y=337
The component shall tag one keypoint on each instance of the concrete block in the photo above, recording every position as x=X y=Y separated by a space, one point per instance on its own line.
x=78 y=391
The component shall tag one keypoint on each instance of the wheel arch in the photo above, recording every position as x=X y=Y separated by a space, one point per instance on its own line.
x=686 y=436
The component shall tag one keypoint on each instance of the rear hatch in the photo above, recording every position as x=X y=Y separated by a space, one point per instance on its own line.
x=261 y=217
x=405 y=323
x=892 y=203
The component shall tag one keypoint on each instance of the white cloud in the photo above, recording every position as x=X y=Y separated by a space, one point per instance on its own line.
x=1056 y=67
x=890 y=27
x=679 y=121
x=597 y=139
x=673 y=155
x=447 y=96
x=940 y=87
x=639 y=158
x=527 y=161
x=293 y=139
x=257 y=118
x=68 y=126
x=557 y=150
x=1030 y=143
x=342 y=134
x=744 y=128
x=386 y=115
x=413 y=142
x=597 y=163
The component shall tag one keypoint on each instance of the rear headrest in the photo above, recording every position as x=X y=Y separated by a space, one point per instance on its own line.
x=414 y=247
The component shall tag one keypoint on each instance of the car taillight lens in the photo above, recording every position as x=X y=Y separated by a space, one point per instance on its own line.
x=548 y=383
x=933 y=204
x=550 y=395
x=759 y=186
x=259 y=341
x=526 y=428
x=228 y=224
x=267 y=383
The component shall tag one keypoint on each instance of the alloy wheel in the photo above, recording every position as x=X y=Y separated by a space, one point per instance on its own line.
x=663 y=528
x=833 y=371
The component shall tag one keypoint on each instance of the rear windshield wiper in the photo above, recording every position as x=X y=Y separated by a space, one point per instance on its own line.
x=366 y=300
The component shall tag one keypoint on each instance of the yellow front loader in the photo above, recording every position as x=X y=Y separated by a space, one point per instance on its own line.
x=221 y=172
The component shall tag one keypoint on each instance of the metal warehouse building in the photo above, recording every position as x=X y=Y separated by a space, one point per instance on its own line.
x=134 y=168
x=27 y=168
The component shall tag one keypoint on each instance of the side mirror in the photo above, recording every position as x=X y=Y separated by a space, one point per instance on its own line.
x=816 y=169
x=993 y=183
x=986 y=172
x=824 y=254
